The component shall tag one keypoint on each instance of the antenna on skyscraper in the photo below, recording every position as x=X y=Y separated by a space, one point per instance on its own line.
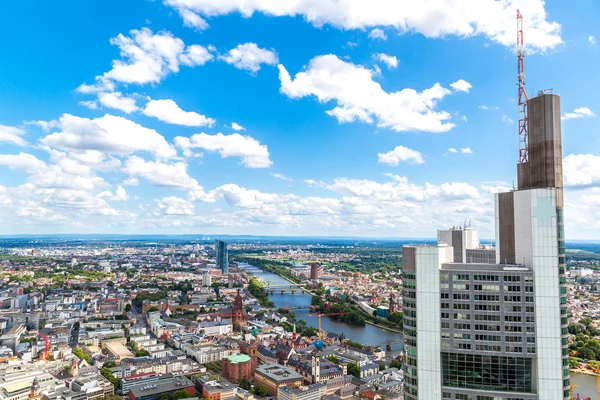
x=522 y=98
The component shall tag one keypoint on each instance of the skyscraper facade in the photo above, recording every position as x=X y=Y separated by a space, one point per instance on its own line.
x=483 y=330
x=314 y=272
x=222 y=256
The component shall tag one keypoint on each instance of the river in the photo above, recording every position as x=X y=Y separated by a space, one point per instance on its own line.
x=368 y=334
x=587 y=386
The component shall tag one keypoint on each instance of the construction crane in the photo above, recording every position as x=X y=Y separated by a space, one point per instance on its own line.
x=319 y=315
x=571 y=387
x=522 y=96
x=46 y=346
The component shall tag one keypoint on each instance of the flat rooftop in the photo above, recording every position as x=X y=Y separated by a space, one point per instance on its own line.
x=216 y=387
x=278 y=373
x=119 y=350
x=158 y=388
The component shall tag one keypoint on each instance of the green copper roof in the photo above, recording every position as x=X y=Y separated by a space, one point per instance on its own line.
x=238 y=358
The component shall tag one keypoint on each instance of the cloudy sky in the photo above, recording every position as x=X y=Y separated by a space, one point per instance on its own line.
x=291 y=117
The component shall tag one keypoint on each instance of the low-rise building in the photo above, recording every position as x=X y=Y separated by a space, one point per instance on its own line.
x=118 y=350
x=153 y=391
x=216 y=390
x=310 y=392
x=274 y=376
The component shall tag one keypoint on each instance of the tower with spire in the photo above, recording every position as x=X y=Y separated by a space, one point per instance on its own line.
x=238 y=315
x=34 y=393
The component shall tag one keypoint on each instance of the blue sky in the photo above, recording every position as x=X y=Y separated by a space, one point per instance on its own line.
x=351 y=117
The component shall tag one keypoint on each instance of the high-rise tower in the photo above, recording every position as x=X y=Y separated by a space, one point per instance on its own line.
x=496 y=330
x=222 y=256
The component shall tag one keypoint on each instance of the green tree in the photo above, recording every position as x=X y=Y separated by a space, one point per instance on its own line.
x=153 y=309
x=164 y=396
x=180 y=394
x=396 y=364
x=261 y=390
x=244 y=384
x=352 y=343
x=127 y=307
x=109 y=364
x=395 y=317
x=107 y=373
x=354 y=369
x=333 y=359
x=310 y=332
x=81 y=355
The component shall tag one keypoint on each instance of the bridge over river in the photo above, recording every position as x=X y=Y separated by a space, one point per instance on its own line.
x=300 y=303
x=284 y=288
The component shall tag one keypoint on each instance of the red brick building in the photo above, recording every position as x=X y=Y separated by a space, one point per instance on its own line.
x=237 y=367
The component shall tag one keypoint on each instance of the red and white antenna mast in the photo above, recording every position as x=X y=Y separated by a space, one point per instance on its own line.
x=523 y=123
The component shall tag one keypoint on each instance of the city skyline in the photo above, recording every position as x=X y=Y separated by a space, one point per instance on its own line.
x=186 y=117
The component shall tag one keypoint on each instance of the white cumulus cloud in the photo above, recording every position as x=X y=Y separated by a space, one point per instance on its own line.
x=237 y=127
x=120 y=194
x=251 y=151
x=378 y=33
x=249 y=57
x=359 y=97
x=491 y=19
x=111 y=134
x=172 y=205
x=461 y=86
x=192 y=20
x=160 y=174
x=118 y=101
x=581 y=112
x=399 y=154
x=581 y=170
x=281 y=176
x=147 y=57
x=390 y=61
x=466 y=150
x=168 y=111
x=11 y=134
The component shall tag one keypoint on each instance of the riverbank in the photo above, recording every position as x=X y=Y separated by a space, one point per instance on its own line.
x=384 y=327
x=282 y=276
x=368 y=335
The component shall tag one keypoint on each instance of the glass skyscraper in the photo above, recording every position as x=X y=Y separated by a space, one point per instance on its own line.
x=222 y=257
